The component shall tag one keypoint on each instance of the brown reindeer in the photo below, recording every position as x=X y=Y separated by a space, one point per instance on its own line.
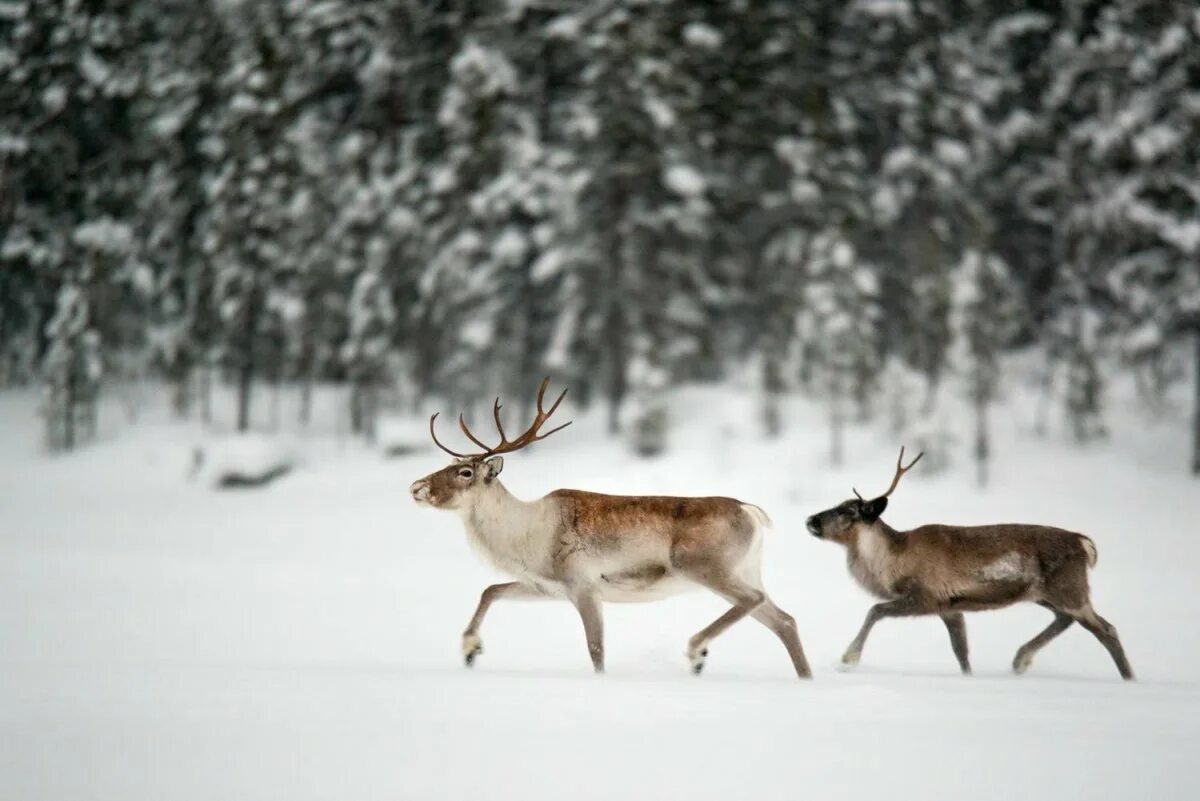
x=588 y=548
x=948 y=570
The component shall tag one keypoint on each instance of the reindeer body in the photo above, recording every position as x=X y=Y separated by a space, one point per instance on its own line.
x=947 y=570
x=624 y=546
x=972 y=567
x=589 y=548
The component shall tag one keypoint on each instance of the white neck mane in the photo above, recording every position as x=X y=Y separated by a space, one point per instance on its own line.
x=511 y=534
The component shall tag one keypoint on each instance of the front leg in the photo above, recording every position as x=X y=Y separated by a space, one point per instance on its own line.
x=957 y=627
x=587 y=601
x=901 y=607
x=472 y=646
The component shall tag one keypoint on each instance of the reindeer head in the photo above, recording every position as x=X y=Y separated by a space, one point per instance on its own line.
x=452 y=486
x=840 y=522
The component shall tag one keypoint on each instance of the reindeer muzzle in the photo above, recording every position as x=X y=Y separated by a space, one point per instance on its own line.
x=419 y=491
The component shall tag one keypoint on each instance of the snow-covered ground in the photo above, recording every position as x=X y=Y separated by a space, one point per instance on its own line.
x=160 y=639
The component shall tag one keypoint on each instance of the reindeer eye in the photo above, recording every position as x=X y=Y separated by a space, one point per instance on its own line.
x=465 y=472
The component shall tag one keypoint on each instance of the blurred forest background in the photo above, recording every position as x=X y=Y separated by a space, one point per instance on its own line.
x=856 y=201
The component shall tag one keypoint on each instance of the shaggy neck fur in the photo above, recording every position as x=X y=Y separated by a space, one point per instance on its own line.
x=872 y=557
x=502 y=528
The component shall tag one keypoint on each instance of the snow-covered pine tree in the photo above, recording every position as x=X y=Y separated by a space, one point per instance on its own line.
x=184 y=59
x=70 y=157
x=838 y=330
x=256 y=178
x=985 y=318
x=644 y=199
x=368 y=347
x=71 y=370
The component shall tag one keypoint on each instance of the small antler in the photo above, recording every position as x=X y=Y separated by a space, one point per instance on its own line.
x=901 y=470
x=506 y=445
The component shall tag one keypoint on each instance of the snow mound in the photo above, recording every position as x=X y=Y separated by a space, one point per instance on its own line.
x=243 y=460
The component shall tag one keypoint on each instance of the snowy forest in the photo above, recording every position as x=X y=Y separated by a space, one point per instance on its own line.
x=876 y=204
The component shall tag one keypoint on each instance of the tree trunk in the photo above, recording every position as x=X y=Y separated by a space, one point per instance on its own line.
x=1045 y=385
x=615 y=326
x=1196 y=409
x=982 y=441
x=356 y=407
x=181 y=392
x=245 y=386
x=205 y=391
x=69 y=404
x=837 y=424
x=306 y=393
x=276 y=402
x=772 y=386
x=247 y=371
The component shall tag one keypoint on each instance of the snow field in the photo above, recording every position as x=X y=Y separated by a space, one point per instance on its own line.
x=160 y=639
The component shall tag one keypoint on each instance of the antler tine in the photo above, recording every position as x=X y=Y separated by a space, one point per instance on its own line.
x=551 y=431
x=531 y=434
x=438 y=442
x=541 y=394
x=463 y=425
x=901 y=469
x=499 y=426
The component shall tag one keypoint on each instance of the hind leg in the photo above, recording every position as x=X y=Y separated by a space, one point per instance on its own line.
x=957 y=627
x=1026 y=652
x=784 y=626
x=587 y=602
x=1106 y=633
x=744 y=597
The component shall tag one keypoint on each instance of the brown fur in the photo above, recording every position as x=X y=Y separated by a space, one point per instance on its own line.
x=610 y=522
x=587 y=548
x=947 y=570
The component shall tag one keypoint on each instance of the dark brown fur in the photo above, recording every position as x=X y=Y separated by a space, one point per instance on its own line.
x=947 y=570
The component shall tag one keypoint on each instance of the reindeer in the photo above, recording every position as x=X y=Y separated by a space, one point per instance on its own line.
x=948 y=570
x=589 y=548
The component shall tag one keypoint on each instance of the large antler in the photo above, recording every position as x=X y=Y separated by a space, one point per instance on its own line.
x=900 y=471
x=506 y=445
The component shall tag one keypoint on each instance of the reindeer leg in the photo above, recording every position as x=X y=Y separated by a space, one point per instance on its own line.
x=784 y=626
x=1106 y=633
x=901 y=607
x=745 y=599
x=957 y=626
x=587 y=601
x=1026 y=652
x=472 y=646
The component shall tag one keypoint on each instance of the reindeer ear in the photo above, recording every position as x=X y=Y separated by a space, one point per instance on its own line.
x=873 y=509
x=493 y=466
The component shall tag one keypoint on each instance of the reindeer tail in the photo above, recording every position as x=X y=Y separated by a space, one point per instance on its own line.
x=1089 y=548
x=760 y=517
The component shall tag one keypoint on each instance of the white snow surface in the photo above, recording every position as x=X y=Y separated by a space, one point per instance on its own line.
x=162 y=640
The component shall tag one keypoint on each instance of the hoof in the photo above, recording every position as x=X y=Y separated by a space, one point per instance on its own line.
x=1021 y=664
x=472 y=647
x=697 y=659
x=850 y=658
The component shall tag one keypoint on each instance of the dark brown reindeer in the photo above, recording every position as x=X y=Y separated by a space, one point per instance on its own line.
x=588 y=548
x=948 y=570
